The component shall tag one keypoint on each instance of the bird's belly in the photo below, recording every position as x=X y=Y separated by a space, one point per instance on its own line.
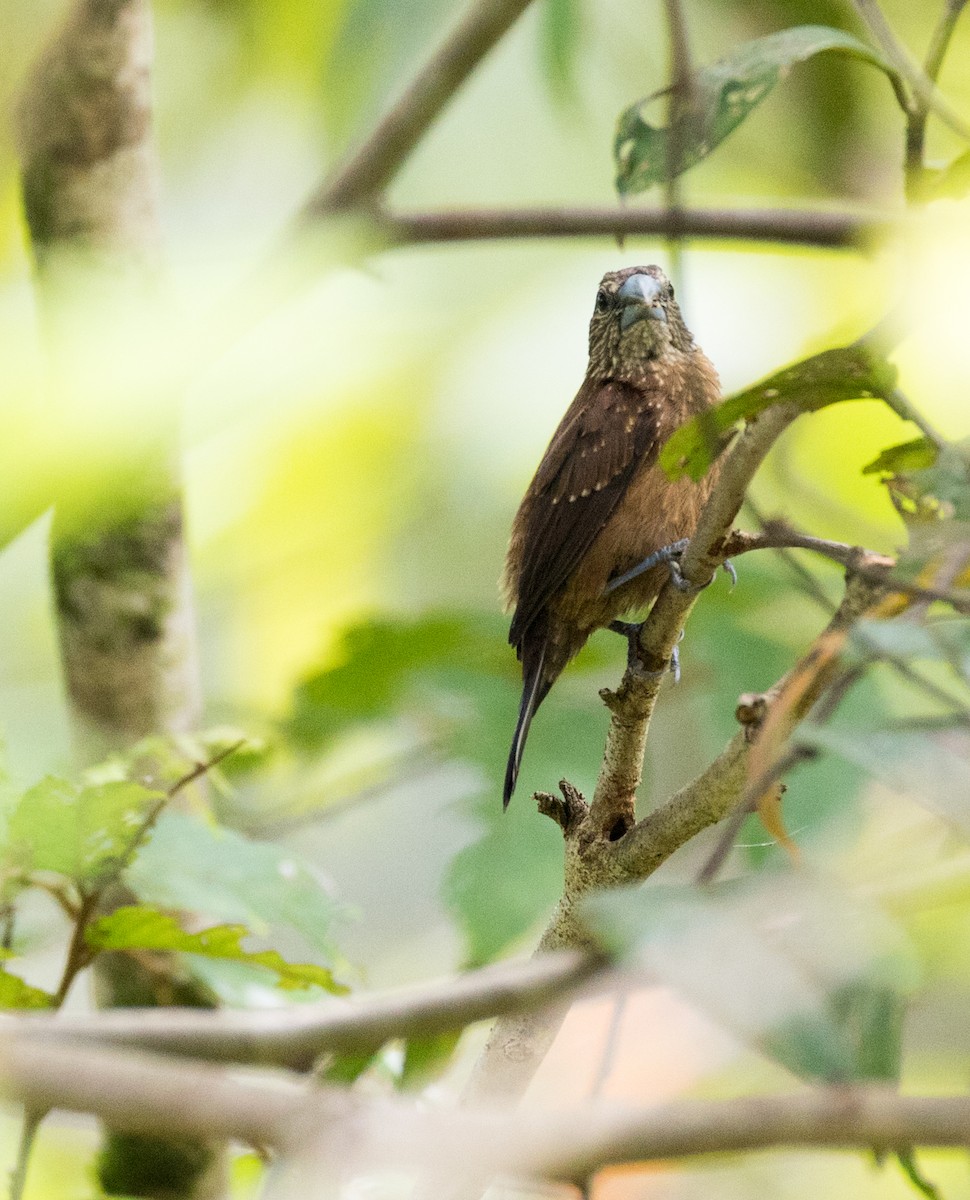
x=640 y=525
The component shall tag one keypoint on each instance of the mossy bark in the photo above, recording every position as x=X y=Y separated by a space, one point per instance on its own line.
x=121 y=591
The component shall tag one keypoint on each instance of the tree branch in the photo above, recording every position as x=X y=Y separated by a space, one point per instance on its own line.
x=856 y=559
x=820 y=228
x=143 y=1093
x=119 y=566
x=369 y=171
x=593 y=836
x=633 y=703
x=296 y=1037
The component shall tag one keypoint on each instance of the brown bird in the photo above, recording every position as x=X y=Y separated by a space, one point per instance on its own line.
x=601 y=520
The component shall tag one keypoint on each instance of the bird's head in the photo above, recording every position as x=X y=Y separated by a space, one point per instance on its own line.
x=636 y=318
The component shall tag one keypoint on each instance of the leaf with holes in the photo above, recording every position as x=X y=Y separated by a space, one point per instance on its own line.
x=846 y=373
x=723 y=95
x=139 y=927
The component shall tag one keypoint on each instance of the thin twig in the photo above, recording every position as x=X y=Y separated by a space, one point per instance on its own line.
x=904 y=408
x=794 y=754
x=916 y=124
x=776 y=535
x=923 y=88
x=749 y=802
x=958 y=709
x=807 y=582
x=155 y=811
x=80 y=955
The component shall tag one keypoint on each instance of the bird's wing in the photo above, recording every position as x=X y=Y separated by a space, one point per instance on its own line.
x=609 y=430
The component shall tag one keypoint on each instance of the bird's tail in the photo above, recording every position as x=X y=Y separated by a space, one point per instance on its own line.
x=535 y=687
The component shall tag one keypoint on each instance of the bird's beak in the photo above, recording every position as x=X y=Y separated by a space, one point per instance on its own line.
x=639 y=298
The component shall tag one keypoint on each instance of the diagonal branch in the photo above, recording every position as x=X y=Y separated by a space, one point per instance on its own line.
x=369 y=171
x=633 y=703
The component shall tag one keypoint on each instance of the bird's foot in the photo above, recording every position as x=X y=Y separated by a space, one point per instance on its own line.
x=631 y=631
x=685 y=585
x=666 y=554
x=671 y=556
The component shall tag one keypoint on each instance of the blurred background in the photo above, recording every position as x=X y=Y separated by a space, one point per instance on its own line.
x=354 y=454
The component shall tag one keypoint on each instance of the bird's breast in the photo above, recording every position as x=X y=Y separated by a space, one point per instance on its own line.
x=653 y=513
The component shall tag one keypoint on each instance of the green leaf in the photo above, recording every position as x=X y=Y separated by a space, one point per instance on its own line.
x=911 y=763
x=379 y=664
x=139 y=927
x=79 y=832
x=345 y=1069
x=205 y=868
x=907 y=456
x=452 y=681
x=806 y=974
x=427 y=1058
x=846 y=373
x=503 y=882
x=16 y=993
x=940 y=491
x=724 y=94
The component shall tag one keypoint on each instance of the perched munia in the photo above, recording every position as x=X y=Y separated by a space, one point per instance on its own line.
x=599 y=503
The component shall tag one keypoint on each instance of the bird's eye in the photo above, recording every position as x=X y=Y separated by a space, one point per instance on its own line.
x=602 y=300
x=670 y=288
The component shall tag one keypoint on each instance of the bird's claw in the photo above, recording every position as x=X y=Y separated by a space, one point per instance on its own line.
x=631 y=631
x=677 y=577
x=666 y=554
x=728 y=567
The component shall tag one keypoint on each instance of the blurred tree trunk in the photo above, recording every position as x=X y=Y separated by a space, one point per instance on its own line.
x=121 y=587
